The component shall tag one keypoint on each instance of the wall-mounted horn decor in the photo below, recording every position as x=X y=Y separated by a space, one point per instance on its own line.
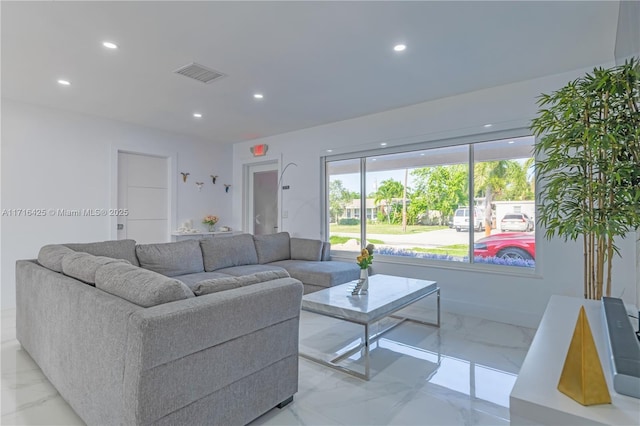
x=184 y=176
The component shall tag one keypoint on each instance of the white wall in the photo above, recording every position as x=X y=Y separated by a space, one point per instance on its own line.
x=628 y=34
x=56 y=159
x=511 y=298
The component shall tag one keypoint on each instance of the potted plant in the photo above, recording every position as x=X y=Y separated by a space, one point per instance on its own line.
x=210 y=221
x=588 y=151
x=364 y=261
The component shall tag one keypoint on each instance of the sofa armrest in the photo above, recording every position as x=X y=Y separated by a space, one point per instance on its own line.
x=326 y=251
x=77 y=335
x=202 y=322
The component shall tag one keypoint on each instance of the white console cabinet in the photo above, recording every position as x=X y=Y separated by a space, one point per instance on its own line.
x=535 y=398
x=180 y=236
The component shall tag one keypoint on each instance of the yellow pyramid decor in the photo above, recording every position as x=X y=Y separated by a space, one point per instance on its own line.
x=582 y=378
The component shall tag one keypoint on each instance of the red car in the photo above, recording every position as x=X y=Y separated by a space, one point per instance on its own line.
x=515 y=245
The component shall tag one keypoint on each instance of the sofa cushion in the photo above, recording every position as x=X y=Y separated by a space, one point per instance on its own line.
x=273 y=247
x=248 y=269
x=306 y=249
x=83 y=266
x=263 y=276
x=171 y=259
x=192 y=279
x=50 y=256
x=140 y=286
x=324 y=274
x=223 y=252
x=117 y=249
x=216 y=285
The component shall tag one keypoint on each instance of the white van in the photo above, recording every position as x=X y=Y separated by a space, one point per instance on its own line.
x=461 y=219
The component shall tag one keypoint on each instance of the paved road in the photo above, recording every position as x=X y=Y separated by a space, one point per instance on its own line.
x=443 y=237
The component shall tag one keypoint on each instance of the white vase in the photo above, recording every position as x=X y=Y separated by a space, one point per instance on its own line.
x=364 y=277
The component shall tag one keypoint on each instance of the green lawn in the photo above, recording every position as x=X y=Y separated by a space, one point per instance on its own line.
x=458 y=250
x=374 y=241
x=384 y=228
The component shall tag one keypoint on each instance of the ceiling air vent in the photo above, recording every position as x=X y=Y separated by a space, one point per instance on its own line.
x=199 y=72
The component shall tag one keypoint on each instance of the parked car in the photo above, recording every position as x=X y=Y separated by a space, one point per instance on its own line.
x=516 y=222
x=461 y=219
x=516 y=245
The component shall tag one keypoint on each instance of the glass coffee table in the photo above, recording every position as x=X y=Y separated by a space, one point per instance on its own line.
x=387 y=295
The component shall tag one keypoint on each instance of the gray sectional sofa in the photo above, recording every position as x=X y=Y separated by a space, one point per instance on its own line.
x=192 y=332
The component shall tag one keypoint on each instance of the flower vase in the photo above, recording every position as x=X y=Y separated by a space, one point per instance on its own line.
x=212 y=228
x=364 y=278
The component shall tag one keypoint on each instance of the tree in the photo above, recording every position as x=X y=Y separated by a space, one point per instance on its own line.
x=338 y=198
x=417 y=207
x=353 y=195
x=519 y=182
x=440 y=188
x=387 y=191
x=490 y=179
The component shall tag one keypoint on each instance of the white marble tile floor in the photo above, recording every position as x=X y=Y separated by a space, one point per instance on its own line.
x=460 y=374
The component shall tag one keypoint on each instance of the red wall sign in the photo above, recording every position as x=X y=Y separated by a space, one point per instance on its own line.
x=259 y=150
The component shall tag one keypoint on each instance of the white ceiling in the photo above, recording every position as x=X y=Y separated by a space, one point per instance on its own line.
x=315 y=62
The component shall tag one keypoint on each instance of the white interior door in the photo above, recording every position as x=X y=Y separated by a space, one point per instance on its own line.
x=262 y=199
x=143 y=189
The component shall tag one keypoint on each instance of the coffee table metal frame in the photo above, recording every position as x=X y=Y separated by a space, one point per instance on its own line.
x=368 y=339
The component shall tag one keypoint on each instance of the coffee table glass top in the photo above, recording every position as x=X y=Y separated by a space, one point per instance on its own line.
x=386 y=294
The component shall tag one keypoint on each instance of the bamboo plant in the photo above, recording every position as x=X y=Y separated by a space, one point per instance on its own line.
x=588 y=167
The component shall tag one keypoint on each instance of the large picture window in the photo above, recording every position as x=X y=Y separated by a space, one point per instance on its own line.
x=472 y=203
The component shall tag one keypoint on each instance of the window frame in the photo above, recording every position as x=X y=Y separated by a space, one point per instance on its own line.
x=470 y=140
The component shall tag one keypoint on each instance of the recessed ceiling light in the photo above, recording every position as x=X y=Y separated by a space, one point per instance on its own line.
x=399 y=47
x=64 y=82
x=197 y=115
x=258 y=95
x=373 y=159
x=329 y=150
x=383 y=144
x=486 y=126
x=109 y=45
x=512 y=142
x=422 y=154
